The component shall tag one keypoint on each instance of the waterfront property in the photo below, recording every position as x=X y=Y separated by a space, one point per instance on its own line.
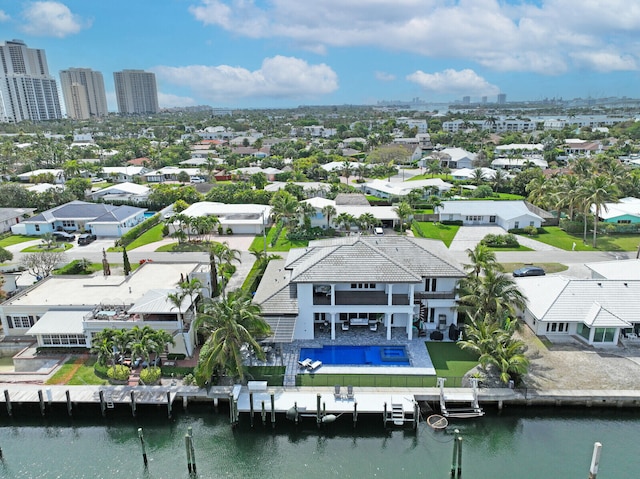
x=66 y=311
x=596 y=311
x=361 y=283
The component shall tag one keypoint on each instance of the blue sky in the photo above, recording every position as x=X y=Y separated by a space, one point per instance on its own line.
x=282 y=53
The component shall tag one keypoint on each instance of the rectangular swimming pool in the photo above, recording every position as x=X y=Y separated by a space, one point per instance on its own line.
x=358 y=355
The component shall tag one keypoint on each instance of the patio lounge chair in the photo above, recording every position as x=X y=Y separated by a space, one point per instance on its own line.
x=305 y=364
x=350 y=392
x=345 y=326
x=336 y=393
x=314 y=365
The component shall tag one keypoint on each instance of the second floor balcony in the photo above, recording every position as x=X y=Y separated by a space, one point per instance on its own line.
x=361 y=298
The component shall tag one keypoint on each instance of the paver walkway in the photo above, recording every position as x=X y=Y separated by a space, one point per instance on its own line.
x=469 y=236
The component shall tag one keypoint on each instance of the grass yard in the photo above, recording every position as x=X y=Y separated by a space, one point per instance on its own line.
x=519 y=248
x=548 y=267
x=450 y=361
x=77 y=371
x=429 y=176
x=283 y=244
x=151 y=236
x=184 y=247
x=274 y=375
x=427 y=229
x=61 y=247
x=554 y=236
x=70 y=268
x=16 y=239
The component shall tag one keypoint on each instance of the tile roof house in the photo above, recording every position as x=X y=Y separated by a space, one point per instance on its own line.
x=122 y=192
x=13 y=216
x=595 y=311
x=508 y=214
x=99 y=218
x=399 y=283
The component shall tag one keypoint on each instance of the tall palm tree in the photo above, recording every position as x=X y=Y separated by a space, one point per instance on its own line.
x=102 y=344
x=345 y=220
x=602 y=191
x=367 y=221
x=482 y=259
x=477 y=177
x=404 y=212
x=284 y=206
x=229 y=325
x=220 y=254
x=329 y=211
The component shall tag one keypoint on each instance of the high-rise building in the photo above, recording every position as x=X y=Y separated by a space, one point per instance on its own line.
x=136 y=91
x=27 y=91
x=502 y=98
x=466 y=100
x=83 y=91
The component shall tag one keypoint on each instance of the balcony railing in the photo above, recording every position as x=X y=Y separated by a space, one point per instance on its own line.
x=361 y=298
x=435 y=295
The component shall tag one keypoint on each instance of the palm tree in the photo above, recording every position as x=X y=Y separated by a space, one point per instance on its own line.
x=367 y=221
x=404 y=212
x=329 y=211
x=102 y=344
x=219 y=254
x=602 y=191
x=305 y=211
x=48 y=240
x=477 y=176
x=345 y=220
x=284 y=206
x=482 y=259
x=346 y=170
x=500 y=179
x=229 y=325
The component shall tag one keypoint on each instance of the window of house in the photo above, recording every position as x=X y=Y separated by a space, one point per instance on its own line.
x=430 y=284
x=37 y=227
x=68 y=224
x=624 y=222
x=21 y=322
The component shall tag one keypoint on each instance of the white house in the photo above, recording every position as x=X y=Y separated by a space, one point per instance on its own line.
x=391 y=284
x=13 y=216
x=122 y=174
x=518 y=163
x=385 y=215
x=507 y=214
x=248 y=219
x=618 y=269
x=66 y=311
x=58 y=175
x=386 y=189
x=122 y=192
x=456 y=158
x=465 y=174
x=596 y=311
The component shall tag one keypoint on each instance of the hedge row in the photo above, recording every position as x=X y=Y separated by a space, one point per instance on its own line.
x=131 y=235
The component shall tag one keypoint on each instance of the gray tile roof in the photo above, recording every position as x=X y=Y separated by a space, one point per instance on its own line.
x=119 y=214
x=275 y=294
x=72 y=210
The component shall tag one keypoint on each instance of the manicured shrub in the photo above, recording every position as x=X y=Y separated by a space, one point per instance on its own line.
x=119 y=372
x=530 y=230
x=150 y=375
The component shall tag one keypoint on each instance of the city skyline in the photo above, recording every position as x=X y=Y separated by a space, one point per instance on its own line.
x=232 y=53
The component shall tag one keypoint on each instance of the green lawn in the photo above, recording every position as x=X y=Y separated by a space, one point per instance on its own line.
x=151 y=236
x=274 y=375
x=69 y=268
x=554 y=236
x=428 y=176
x=427 y=229
x=16 y=239
x=519 y=248
x=73 y=373
x=283 y=244
x=184 y=247
x=449 y=360
x=61 y=247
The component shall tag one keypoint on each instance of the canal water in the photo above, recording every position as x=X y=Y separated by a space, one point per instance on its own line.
x=518 y=443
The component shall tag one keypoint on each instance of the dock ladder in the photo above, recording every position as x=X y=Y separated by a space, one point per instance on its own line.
x=108 y=399
x=397 y=413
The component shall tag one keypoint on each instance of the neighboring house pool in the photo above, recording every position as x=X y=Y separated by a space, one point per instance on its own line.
x=358 y=355
x=149 y=214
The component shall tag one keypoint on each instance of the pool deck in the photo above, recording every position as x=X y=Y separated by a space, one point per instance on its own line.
x=421 y=364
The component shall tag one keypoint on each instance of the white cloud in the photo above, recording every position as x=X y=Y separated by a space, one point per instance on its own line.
x=454 y=82
x=384 y=76
x=545 y=36
x=4 y=17
x=278 y=77
x=51 y=19
x=167 y=100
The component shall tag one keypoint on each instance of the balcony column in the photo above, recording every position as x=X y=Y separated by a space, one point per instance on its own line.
x=390 y=295
x=387 y=322
x=410 y=313
x=333 y=325
x=333 y=294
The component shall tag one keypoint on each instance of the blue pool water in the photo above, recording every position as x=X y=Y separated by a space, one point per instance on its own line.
x=149 y=214
x=358 y=355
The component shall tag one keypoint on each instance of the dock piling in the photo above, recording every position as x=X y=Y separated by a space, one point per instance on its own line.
x=251 y=408
x=263 y=414
x=384 y=415
x=41 y=400
x=133 y=403
x=192 y=451
x=355 y=413
x=103 y=405
x=318 y=411
x=231 y=409
x=169 y=403
x=188 y=449
x=454 y=458
x=144 y=451
x=459 y=456
x=595 y=460
x=7 y=401
x=69 y=405
x=273 y=410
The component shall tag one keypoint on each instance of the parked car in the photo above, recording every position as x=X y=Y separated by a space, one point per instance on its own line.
x=63 y=236
x=378 y=231
x=197 y=179
x=86 y=238
x=529 y=271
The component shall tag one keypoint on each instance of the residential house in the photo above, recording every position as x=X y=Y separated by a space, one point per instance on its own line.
x=395 y=285
x=13 y=216
x=170 y=173
x=507 y=214
x=618 y=269
x=122 y=174
x=385 y=189
x=385 y=215
x=466 y=174
x=578 y=147
x=456 y=158
x=57 y=174
x=248 y=172
x=122 y=192
x=625 y=211
x=241 y=219
x=99 y=218
x=56 y=318
x=518 y=164
x=595 y=311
